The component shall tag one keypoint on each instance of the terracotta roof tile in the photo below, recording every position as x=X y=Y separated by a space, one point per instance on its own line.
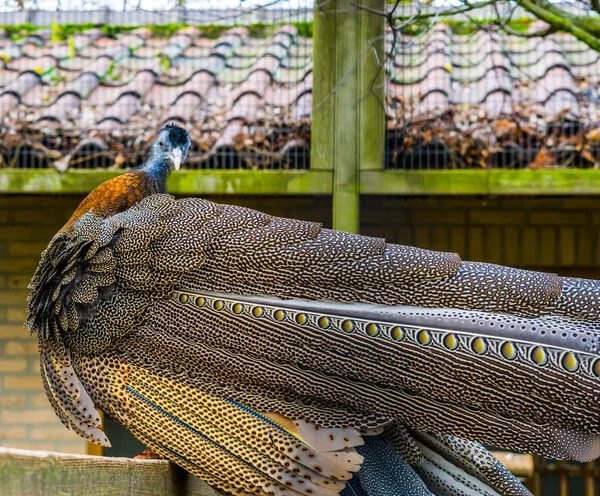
x=247 y=101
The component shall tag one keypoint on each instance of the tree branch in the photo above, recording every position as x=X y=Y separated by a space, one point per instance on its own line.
x=588 y=23
x=564 y=21
x=535 y=34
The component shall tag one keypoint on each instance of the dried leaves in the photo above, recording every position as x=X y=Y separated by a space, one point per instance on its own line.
x=466 y=137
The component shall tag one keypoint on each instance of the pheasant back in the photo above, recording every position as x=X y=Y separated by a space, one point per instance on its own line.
x=272 y=356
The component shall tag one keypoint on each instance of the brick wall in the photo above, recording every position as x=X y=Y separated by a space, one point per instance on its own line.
x=561 y=234
x=26 y=419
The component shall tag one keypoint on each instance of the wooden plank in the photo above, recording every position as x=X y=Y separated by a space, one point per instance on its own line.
x=348 y=113
x=185 y=182
x=447 y=182
x=324 y=76
x=544 y=182
x=31 y=473
x=372 y=123
x=373 y=182
x=346 y=95
x=481 y=182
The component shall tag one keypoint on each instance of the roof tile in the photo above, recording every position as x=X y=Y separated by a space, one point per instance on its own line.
x=235 y=89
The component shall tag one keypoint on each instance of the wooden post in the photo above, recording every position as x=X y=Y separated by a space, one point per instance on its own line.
x=348 y=123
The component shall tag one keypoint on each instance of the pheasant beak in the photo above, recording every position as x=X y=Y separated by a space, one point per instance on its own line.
x=176 y=156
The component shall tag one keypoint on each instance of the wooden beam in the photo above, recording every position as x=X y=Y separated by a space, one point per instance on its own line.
x=348 y=113
x=31 y=473
x=570 y=182
x=184 y=182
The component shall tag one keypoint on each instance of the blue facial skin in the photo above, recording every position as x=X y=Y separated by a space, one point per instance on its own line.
x=169 y=150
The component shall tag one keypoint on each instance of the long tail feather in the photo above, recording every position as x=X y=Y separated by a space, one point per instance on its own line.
x=234 y=439
x=394 y=366
x=475 y=460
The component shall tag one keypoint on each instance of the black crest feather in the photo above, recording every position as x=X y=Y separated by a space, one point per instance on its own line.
x=177 y=135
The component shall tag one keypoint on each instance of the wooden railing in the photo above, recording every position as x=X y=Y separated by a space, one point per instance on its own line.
x=33 y=473
x=24 y=473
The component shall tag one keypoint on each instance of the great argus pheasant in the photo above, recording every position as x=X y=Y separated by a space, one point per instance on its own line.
x=271 y=356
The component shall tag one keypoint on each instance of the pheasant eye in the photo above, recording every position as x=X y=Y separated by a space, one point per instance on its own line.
x=160 y=143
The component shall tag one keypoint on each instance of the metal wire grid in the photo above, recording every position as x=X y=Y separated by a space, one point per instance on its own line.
x=86 y=95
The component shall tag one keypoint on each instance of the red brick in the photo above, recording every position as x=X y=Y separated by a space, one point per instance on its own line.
x=21 y=348
x=12 y=433
x=15 y=365
x=23 y=382
x=33 y=417
x=13 y=400
x=59 y=433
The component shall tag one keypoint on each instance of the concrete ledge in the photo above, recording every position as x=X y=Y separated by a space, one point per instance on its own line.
x=31 y=473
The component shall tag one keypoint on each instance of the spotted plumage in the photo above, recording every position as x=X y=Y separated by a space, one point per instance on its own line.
x=271 y=356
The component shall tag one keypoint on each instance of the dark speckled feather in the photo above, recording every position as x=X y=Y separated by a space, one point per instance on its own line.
x=259 y=353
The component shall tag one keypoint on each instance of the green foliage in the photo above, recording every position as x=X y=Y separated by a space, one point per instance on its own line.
x=212 y=31
x=111 y=73
x=71 y=43
x=521 y=25
x=165 y=30
x=19 y=31
x=305 y=28
x=260 y=30
x=54 y=32
x=113 y=29
x=64 y=32
x=416 y=28
x=165 y=64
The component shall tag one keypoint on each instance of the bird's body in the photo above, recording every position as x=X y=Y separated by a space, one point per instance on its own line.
x=259 y=353
x=114 y=196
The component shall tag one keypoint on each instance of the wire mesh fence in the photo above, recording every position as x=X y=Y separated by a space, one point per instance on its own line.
x=90 y=94
x=88 y=89
x=495 y=90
